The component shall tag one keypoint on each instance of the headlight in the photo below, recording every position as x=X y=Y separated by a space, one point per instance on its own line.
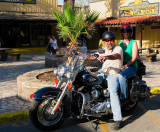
x=62 y=69
x=69 y=74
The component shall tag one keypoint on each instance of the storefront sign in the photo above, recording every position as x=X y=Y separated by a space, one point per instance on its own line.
x=145 y=8
x=20 y=1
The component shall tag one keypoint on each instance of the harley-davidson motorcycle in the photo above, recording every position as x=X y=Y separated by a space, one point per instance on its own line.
x=80 y=94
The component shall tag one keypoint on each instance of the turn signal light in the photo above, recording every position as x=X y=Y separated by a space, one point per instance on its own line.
x=56 y=81
x=32 y=95
x=69 y=85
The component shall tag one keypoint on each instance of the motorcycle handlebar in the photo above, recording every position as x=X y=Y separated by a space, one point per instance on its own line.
x=95 y=56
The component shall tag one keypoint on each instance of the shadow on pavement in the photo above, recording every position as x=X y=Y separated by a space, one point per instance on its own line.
x=70 y=125
x=143 y=107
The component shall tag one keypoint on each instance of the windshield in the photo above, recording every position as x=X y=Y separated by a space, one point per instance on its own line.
x=76 y=56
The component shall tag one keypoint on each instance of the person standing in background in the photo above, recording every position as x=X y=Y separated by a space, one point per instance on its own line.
x=1 y=43
x=54 y=45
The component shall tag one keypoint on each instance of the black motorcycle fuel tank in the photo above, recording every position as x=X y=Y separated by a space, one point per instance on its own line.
x=91 y=80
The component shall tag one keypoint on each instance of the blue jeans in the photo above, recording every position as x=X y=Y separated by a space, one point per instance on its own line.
x=113 y=86
x=123 y=76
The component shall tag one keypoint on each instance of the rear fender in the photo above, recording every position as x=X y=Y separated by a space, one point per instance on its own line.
x=45 y=93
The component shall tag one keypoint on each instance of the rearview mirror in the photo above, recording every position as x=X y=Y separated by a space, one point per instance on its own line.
x=101 y=51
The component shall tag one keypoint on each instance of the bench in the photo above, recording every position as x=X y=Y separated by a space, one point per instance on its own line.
x=4 y=56
x=155 y=50
x=151 y=57
x=15 y=56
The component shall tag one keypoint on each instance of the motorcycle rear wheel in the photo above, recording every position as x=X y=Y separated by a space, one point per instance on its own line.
x=129 y=107
x=41 y=117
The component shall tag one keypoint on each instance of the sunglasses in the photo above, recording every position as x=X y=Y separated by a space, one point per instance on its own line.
x=107 y=40
x=126 y=30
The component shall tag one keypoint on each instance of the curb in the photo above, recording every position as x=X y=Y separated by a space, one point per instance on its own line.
x=15 y=115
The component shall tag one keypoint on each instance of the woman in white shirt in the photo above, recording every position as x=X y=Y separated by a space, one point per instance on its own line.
x=52 y=45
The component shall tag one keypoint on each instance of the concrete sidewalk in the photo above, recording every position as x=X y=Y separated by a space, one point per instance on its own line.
x=13 y=108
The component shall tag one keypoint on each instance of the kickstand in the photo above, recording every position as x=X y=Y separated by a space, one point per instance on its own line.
x=95 y=128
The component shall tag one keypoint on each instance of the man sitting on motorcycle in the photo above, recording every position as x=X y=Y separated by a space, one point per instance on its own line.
x=112 y=61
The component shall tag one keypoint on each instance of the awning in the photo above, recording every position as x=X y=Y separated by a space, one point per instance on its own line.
x=111 y=22
x=24 y=16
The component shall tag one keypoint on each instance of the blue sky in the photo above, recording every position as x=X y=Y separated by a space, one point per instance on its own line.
x=60 y=2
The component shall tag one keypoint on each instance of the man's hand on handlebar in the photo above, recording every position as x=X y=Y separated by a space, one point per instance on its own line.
x=102 y=58
x=92 y=57
x=96 y=56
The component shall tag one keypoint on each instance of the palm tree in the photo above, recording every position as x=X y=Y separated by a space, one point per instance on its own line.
x=72 y=24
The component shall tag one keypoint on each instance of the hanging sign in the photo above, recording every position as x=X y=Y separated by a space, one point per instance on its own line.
x=20 y=1
x=145 y=8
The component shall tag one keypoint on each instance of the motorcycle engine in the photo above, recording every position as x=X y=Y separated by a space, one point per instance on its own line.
x=96 y=92
x=101 y=103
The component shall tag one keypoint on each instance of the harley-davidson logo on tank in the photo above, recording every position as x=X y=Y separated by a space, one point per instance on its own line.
x=140 y=8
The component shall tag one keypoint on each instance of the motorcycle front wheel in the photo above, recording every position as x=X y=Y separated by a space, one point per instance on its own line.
x=42 y=117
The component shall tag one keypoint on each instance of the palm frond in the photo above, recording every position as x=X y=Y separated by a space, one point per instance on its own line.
x=69 y=14
x=58 y=16
x=91 y=16
x=63 y=31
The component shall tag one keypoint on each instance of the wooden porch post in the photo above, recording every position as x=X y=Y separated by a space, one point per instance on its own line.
x=140 y=36
x=109 y=28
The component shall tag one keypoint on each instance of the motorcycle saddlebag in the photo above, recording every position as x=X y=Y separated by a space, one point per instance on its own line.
x=141 y=68
x=139 y=91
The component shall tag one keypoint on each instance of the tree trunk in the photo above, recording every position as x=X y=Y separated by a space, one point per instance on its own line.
x=70 y=1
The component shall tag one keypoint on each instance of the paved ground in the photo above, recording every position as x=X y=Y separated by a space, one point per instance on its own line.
x=9 y=71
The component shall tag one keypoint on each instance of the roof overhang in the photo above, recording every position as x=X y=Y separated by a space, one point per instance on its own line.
x=117 y=22
x=24 y=16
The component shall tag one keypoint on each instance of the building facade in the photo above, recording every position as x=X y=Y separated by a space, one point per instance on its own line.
x=143 y=15
x=27 y=23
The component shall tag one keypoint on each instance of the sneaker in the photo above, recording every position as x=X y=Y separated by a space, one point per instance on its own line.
x=117 y=125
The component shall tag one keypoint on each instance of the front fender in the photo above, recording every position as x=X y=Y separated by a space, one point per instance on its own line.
x=46 y=92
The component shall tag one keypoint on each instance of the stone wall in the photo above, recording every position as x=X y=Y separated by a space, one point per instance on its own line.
x=28 y=83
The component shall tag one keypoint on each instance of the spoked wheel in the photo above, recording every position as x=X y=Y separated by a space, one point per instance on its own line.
x=42 y=116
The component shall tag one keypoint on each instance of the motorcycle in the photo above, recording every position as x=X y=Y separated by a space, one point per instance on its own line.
x=79 y=93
